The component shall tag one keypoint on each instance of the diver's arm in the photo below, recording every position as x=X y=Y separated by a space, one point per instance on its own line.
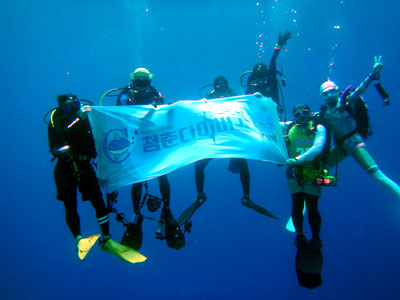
x=282 y=39
x=272 y=62
x=374 y=75
x=352 y=98
x=52 y=139
x=318 y=145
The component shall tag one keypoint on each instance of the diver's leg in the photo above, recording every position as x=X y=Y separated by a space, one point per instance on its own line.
x=362 y=156
x=314 y=217
x=165 y=189
x=244 y=176
x=67 y=192
x=335 y=157
x=102 y=216
x=90 y=190
x=136 y=194
x=72 y=217
x=199 y=174
x=185 y=216
x=297 y=211
x=297 y=217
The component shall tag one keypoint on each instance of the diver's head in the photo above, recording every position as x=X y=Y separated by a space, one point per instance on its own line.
x=220 y=84
x=68 y=103
x=260 y=70
x=141 y=79
x=302 y=114
x=329 y=91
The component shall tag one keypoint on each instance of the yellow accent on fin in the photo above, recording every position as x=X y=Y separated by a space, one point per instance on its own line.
x=123 y=252
x=85 y=244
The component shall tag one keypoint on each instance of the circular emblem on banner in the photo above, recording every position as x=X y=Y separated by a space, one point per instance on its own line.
x=265 y=121
x=116 y=145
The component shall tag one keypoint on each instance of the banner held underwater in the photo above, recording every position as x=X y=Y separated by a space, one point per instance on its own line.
x=140 y=142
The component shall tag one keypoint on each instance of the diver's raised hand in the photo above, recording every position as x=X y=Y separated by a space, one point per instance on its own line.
x=282 y=38
x=376 y=69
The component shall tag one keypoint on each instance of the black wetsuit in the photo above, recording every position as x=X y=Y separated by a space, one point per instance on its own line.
x=268 y=84
x=131 y=96
x=314 y=217
x=74 y=170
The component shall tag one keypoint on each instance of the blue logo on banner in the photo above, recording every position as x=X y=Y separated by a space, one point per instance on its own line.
x=116 y=145
x=265 y=121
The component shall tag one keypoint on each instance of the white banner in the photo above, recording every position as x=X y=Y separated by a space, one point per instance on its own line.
x=139 y=142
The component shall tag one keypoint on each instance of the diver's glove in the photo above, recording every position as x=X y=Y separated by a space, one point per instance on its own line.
x=83 y=111
x=291 y=162
x=376 y=69
x=282 y=38
x=62 y=152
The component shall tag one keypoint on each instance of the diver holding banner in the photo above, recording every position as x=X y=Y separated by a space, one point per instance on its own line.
x=140 y=142
x=72 y=145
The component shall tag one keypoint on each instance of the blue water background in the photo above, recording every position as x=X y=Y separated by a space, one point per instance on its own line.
x=88 y=47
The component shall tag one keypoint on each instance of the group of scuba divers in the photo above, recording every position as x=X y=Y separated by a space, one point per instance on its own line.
x=343 y=119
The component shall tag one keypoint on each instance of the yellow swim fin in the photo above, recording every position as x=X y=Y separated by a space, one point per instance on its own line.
x=85 y=244
x=123 y=252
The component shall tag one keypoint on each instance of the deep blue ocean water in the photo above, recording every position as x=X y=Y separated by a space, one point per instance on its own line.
x=89 y=47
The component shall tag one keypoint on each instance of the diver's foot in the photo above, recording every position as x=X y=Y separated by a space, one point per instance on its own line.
x=200 y=199
x=173 y=234
x=315 y=244
x=300 y=242
x=246 y=201
x=106 y=237
x=137 y=219
x=188 y=212
x=123 y=252
x=84 y=245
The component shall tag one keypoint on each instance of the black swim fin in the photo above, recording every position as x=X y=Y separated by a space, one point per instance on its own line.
x=133 y=235
x=188 y=212
x=173 y=234
x=308 y=267
x=246 y=201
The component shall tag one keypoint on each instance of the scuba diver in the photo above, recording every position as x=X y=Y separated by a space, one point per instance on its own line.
x=237 y=165
x=263 y=79
x=141 y=92
x=221 y=89
x=72 y=144
x=306 y=142
x=339 y=116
